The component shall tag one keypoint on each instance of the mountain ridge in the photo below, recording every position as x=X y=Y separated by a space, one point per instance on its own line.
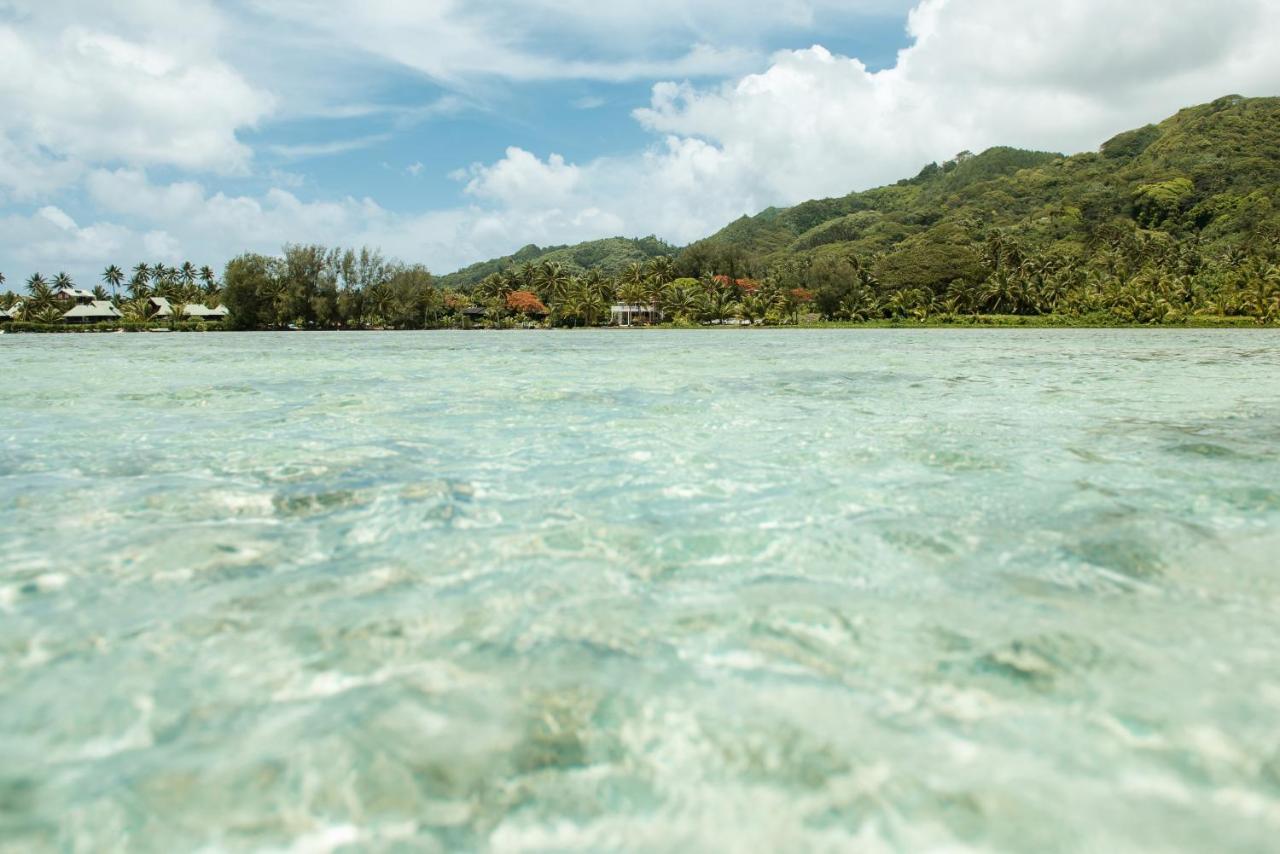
x=1212 y=170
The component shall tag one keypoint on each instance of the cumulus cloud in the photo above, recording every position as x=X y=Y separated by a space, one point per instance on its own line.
x=130 y=88
x=814 y=124
x=980 y=73
x=807 y=123
x=1062 y=77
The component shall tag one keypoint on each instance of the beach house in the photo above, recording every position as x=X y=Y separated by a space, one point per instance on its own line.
x=161 y=309
x=93 y=311
x=625 y=314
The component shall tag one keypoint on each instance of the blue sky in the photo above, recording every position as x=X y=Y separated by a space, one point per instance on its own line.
x=446 y=131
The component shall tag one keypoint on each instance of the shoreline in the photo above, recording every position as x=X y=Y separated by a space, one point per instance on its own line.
x=983 y=322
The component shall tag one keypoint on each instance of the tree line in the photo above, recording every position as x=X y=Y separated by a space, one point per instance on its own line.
x=1129 y=276
x=131 y=293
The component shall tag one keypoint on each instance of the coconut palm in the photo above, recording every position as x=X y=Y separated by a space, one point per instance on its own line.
x=113 y=276
x=661 y=269
x=552 y=282
x=679 y=302
x=634 y=274
x=717 y=304
x=598 y=285
x=62 y=281
x=48 y=315
x=138 y=308
x=138 y=287
x=754 y=307
x=633 y=293
x=209 y=279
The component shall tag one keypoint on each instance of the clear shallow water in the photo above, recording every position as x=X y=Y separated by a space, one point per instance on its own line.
x=737 y=590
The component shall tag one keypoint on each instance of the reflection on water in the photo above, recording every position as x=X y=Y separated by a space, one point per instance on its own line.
x=883 y=590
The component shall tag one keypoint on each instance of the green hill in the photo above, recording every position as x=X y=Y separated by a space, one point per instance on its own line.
x=1212 y=172
x=1165 y=223
x=610 y=256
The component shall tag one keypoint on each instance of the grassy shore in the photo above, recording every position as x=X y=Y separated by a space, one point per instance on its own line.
x=984 y=321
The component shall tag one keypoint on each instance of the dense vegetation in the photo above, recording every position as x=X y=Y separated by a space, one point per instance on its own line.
x=1170 y=223
x=610 y=256
x=181 y=286
x=1163 y=224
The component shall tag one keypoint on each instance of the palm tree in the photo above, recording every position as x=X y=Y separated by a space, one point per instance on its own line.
x=188 y=273
x=210 y=280
x=113 y=276
x=62 y=281
x=598 y=285
x=39 y=299
x=634 y=274
x=138 y=308
x=552 y=281
x=662 y=269
x=48 y=315
x=138 y=288
x=754 y=307
x=679 y=303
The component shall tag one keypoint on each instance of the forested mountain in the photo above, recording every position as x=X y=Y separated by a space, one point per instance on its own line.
x=1210 y=173
x=610 y=256
x=1165 y=223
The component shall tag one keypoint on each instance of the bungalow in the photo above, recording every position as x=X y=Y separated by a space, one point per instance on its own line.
x=199 y=311
x=7 y=314
x=94 y=311
x=158 y=307
x=624 y=314
x=68 y=293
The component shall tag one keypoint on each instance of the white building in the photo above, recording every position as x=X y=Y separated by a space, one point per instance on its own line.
x=624 y=314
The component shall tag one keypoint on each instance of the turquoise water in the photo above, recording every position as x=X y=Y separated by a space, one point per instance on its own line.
x=741 y=590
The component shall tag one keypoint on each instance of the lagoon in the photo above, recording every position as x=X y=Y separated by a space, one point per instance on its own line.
x=644 y=590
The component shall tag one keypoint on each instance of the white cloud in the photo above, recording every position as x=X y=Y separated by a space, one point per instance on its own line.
x=58 y=217
x=809 y=123
x=981 y=73
x=305 y=151
x=813 y=124
x=456 y=41
x=50 y=241
x=139 y=85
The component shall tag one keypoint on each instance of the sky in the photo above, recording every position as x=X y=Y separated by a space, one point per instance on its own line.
x=450 y=131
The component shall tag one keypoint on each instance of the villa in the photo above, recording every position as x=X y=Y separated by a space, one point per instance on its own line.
x=93 y=311
x=161 y=309
x=200 y=311
x=624 y=314
x=69 y=293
